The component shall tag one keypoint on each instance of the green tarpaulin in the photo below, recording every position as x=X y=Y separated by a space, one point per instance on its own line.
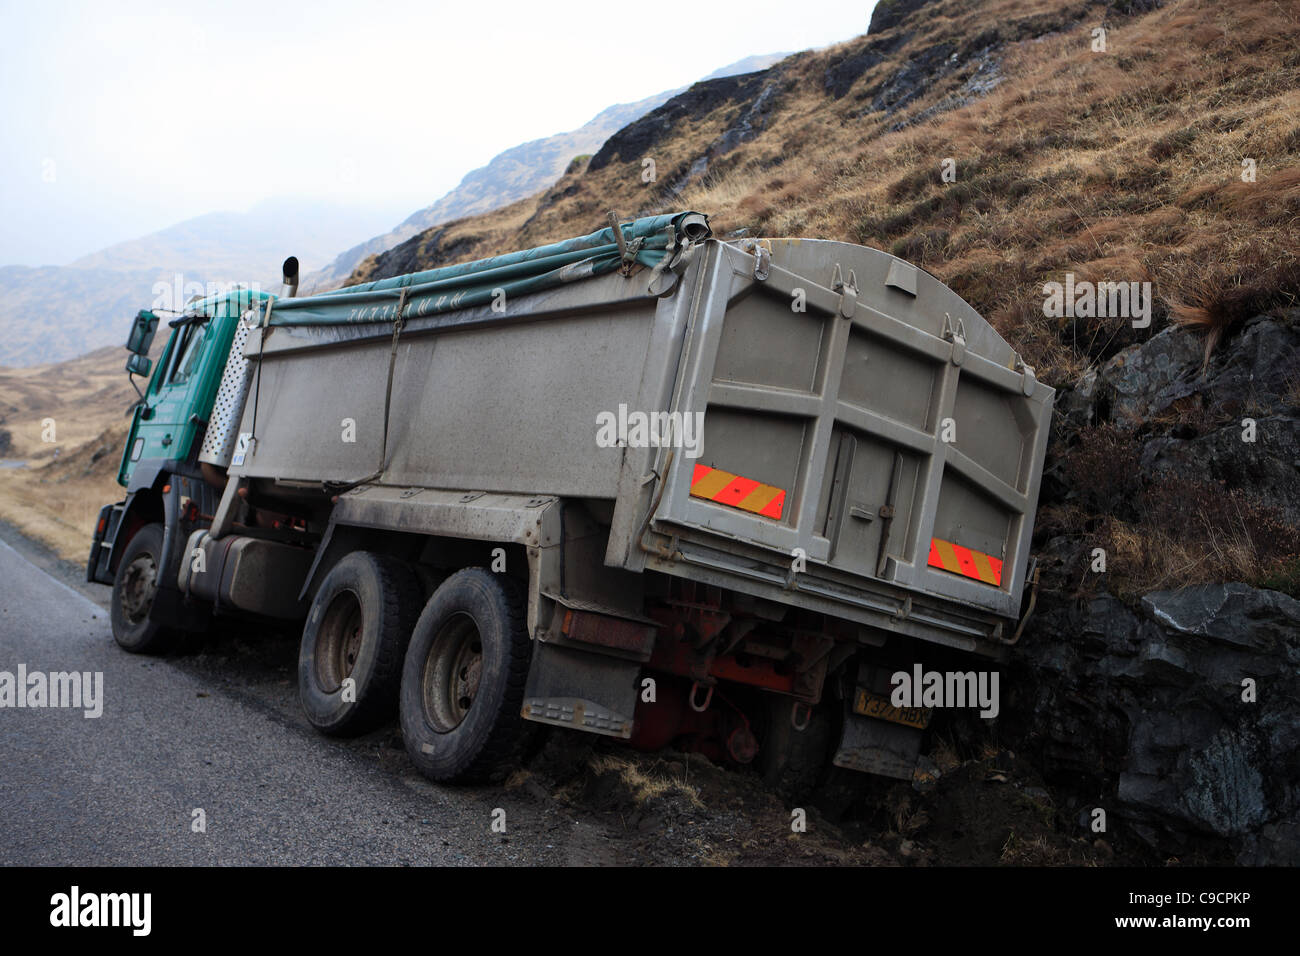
x=478 y=283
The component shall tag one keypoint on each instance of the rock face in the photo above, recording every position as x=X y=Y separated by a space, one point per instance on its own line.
x=1190 y=417
x=639 y=138
x=1256 y=369
x=890 y=13
x=1153 y=709
x=1178 y=711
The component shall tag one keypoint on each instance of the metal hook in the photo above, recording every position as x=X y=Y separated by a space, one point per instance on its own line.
x=800 y=708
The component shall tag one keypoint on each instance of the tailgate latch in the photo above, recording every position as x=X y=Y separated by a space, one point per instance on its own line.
x=848 y=291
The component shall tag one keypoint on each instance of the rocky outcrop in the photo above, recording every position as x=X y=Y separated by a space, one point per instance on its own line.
x=1234 y=420
x=1257 y=369
x=639 y=138
x=1178 y=711
x=1181 y=716
x=890 y=13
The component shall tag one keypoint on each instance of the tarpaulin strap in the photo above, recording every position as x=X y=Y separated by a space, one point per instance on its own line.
x=398 y=324
x=257 y=388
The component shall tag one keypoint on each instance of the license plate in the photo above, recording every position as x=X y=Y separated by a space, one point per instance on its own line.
x=873 y=705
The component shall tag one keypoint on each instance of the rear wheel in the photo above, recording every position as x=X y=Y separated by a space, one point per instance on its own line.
x=463 y=680
x=350 y=659
x=793 y=759
x=134 y=587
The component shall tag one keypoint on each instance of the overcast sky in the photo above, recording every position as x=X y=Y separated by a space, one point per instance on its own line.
x=123 y=117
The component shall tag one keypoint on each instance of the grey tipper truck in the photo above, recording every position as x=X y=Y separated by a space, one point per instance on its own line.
x=642 y=483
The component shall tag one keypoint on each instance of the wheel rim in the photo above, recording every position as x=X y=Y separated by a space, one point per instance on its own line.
x=139 y=583
x=338 y=642
x=452 y=673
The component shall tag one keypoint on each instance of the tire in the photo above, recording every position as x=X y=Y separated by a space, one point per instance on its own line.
x=793 y=762
x=134 y=585
x=463 y=680
x=358 y=627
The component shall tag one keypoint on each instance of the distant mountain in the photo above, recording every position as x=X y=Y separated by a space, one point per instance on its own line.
x=51 y=313
x=245 y=246
x=515 y=174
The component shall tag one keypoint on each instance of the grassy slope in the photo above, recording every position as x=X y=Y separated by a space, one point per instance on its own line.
x=57 y=497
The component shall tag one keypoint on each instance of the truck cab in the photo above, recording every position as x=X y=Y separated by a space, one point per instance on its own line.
x=166 y=488
x=172 y=413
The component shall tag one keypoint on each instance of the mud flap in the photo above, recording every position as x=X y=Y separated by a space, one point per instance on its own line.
x=583 y=691
x=877 y=746
x=99 y=565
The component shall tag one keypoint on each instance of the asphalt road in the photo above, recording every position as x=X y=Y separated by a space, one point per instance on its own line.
x=204 y=732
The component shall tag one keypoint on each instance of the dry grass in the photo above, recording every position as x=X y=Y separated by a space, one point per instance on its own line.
x=58 y=502
x=644 y=784
x=1168 y=531
x=1039 y=851
x=57 y=498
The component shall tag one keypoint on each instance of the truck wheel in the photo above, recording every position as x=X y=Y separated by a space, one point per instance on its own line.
x=357 y=629
x=134 y=587
x=793 y=762
x=463 y=680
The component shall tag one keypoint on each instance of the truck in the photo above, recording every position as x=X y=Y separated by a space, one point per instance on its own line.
x=644 y=483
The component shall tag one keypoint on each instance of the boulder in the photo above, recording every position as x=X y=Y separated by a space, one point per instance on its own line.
x=1150 y=708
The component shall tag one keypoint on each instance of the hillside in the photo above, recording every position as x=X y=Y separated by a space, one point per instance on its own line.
x=512 y=175
x=56 y=496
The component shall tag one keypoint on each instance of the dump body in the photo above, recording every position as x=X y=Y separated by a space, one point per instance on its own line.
x=871 y=449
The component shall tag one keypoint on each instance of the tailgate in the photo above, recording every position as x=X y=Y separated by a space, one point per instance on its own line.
x=859 y=414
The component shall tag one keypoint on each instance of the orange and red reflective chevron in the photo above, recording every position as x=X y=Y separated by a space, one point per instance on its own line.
x=965 y=561
x=714 y=484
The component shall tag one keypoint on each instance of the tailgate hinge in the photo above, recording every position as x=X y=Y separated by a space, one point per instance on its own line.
x=761 y=250
x=848 y=291
x=1028 y=381
x=956 y=334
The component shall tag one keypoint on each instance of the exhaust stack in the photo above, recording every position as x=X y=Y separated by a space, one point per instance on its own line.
x=290 y=270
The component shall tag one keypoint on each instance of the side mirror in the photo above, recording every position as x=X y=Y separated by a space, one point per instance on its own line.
x=141 y=337
x=139 y=365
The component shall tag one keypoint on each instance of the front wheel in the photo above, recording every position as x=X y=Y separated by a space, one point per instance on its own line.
x=463 y=679
x=134 y=587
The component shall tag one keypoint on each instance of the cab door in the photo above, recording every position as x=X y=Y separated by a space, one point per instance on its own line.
x=166 y=422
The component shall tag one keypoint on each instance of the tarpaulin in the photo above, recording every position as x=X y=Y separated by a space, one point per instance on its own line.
x=469 y=284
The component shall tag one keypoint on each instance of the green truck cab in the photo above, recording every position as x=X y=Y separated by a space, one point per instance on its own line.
x=166 y=488
x=172 y=413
